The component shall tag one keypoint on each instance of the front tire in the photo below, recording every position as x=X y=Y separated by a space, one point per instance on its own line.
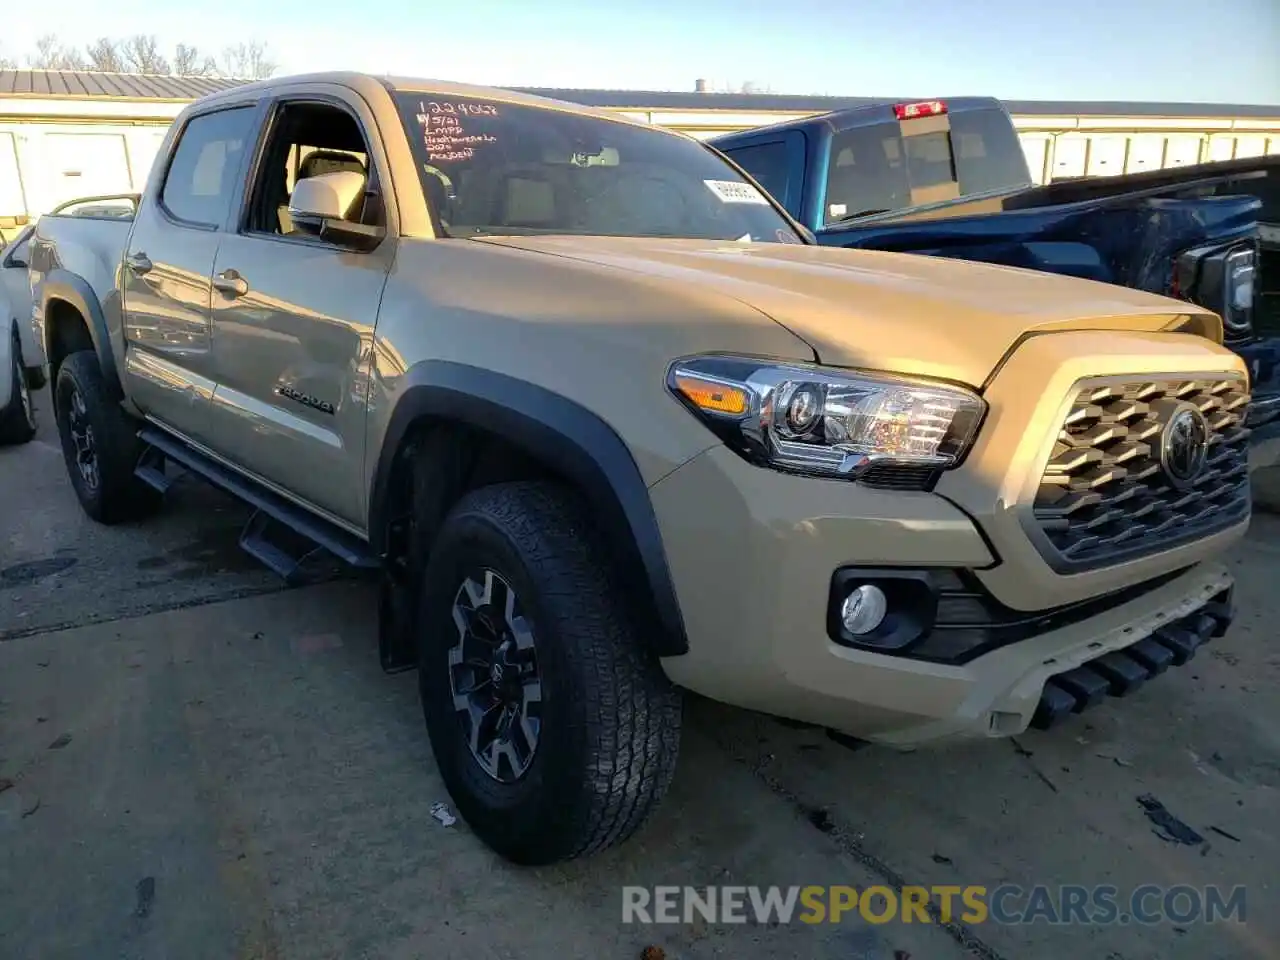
x=555 y=730
x=18 y=418
x=99 y=444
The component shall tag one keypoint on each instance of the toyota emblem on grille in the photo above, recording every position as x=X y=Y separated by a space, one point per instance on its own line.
x=1184 y=445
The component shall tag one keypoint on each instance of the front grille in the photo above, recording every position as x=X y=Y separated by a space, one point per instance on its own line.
x=1105 y=496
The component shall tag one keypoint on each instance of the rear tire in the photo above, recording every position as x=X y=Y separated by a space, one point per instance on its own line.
x=18 y=418
x=99 y=444
x=588 y=756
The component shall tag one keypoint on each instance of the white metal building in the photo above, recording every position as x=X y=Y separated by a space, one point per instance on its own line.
x=68 y=134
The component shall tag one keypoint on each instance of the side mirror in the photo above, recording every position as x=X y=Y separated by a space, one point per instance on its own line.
x=321 y=205
x=15 y=262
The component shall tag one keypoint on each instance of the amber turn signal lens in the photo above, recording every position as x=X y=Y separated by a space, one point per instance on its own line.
x=711 y=396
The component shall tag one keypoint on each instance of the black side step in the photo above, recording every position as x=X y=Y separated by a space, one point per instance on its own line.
x=278 y=547
x=260 y=537
x=153 y=470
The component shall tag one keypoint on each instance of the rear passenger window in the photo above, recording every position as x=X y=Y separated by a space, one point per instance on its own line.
x=202 y=176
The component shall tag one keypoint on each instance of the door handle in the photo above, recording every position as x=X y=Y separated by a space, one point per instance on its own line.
x=138 y=262
x=231 y=283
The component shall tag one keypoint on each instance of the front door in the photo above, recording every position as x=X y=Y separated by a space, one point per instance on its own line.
x=165 y=277
x=293 y=317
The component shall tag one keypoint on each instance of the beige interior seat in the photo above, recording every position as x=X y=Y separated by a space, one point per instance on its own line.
x=315 y=163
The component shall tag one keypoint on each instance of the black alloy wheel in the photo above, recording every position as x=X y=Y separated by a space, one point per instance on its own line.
x=86 y=451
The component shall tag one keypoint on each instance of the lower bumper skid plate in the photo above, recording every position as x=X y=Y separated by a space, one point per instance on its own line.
x=1122 y=671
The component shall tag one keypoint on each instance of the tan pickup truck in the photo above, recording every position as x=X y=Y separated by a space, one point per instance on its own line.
x=609 y=426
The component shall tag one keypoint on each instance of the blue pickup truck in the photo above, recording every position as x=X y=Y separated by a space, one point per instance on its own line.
x=949 y=178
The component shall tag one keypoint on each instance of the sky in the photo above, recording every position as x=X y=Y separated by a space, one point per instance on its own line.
x=1226 y=51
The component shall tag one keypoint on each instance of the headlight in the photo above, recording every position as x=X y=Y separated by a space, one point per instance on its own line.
x=824 y=421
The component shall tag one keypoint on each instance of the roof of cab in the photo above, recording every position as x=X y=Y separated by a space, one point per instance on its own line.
x=367 y=81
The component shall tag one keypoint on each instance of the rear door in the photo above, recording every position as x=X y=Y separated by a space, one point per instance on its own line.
x=166 y=274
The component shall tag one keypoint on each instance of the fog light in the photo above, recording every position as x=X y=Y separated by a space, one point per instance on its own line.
x=863 y=609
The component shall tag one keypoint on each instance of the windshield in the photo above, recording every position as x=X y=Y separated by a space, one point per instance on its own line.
x=493 y=168
x=875 y=168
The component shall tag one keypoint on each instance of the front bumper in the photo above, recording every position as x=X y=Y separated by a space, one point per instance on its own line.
x=752 y=553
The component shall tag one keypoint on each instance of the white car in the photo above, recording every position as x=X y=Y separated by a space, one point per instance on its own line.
x=21 y=357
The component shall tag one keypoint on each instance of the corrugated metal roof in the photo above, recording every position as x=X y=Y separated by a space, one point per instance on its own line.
x=92 y=85
x=87 y=84
x=796 y=103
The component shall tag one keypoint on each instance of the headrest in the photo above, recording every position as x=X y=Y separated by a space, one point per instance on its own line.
x=329 y=161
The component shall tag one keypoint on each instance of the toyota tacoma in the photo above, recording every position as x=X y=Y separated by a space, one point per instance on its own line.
x=607 y=427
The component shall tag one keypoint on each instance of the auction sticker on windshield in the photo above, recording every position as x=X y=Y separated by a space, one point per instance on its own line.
x=735 y=191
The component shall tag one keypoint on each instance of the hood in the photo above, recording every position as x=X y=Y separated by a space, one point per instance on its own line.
x=910 y=314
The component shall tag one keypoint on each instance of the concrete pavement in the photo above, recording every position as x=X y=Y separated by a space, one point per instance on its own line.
x=242 y=781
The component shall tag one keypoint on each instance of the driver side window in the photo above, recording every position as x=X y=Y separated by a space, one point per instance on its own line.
x=309 y=139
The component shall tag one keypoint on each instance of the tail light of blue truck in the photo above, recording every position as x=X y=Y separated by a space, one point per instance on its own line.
x=1220 y=277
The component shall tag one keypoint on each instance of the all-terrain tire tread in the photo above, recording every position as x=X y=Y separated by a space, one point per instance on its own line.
x=122 y=495
x=632 y=711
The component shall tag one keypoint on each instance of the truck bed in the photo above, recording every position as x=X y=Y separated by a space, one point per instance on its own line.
x=90 y=247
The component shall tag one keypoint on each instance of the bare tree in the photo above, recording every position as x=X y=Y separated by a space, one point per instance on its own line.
x=190 y=62
x=51 y=55
x=141 y=54
x=104 y=54
x=247 y=61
